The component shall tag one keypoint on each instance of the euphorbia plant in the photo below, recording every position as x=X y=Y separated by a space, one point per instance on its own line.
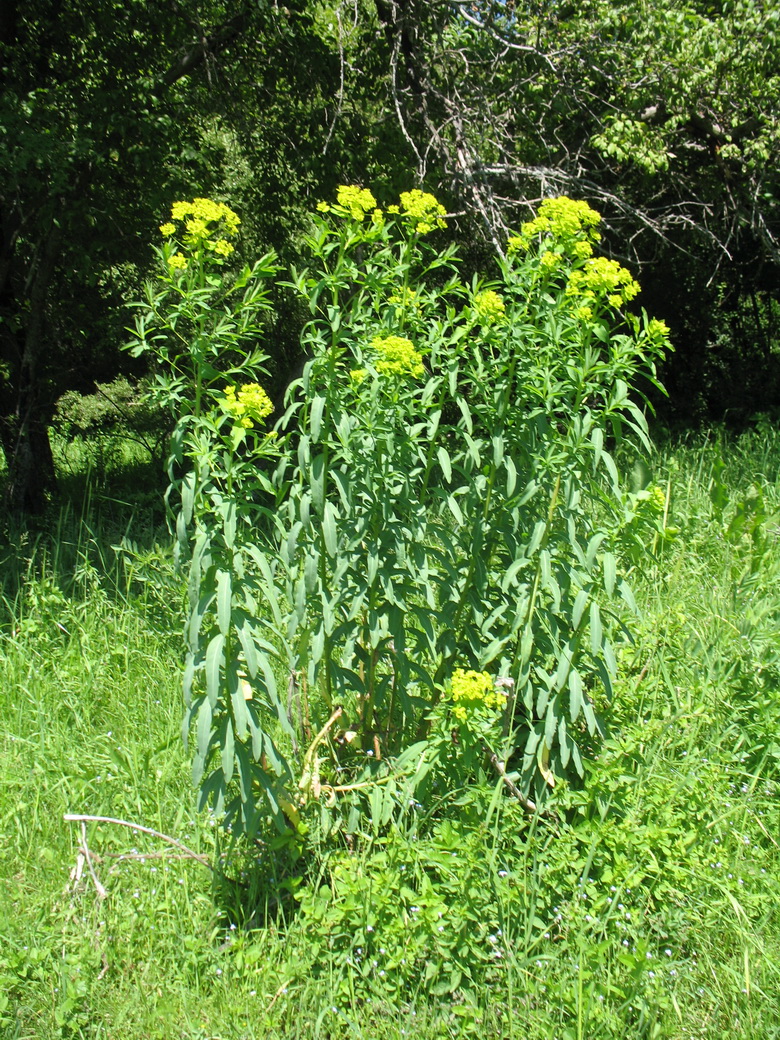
x=440 y=472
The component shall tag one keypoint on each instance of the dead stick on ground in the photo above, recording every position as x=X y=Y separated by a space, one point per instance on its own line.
x=85 y=849
x=78 y=818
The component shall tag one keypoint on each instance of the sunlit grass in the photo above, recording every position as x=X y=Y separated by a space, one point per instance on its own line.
x=646 y=906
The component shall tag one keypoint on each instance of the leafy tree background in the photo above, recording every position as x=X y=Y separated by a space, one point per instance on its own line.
x=663 y=116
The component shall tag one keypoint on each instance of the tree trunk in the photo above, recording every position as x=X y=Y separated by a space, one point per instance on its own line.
x=24 y=434
x=31 y=476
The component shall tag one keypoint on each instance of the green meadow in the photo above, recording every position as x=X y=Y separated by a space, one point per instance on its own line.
x=644 y=902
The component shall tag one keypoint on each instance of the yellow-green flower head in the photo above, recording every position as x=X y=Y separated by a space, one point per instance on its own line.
x=470 y=690
x=201 y=218
x=406 y=298
x=423 y=209
x=563 y=220
x=489 y=307
x=658 y=332
x=397 y=357
x=248 y=405
x=657 y=498
x=177 y=262
x=222 y=247
x=357 y=375
x=359 y=201
x=601 y=277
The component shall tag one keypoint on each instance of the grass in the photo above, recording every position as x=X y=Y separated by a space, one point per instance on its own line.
x=648 y=905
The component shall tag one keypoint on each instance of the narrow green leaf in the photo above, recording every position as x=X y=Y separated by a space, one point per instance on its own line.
x=454 y=508
x=311 y=570
x=565 y=742
x=228 y=512
x=544 y=568
x=203 y=733
x=628 y=596
x=575 y=694
x=511 y=476
x=580 y=602
x=610 y=573
x=590 y=717
x=444 y=462
x=575 y=755
x=317 y=406
x=498 y=450
x=596 y=629
x=188 y=677
x=214 y=663
x=224 y=600
x=226 y=748
x=257 y=733
x=593 y=547
x=246 y=638
x=317 y=479
x=536 y=537
x=551 y=723
x=237 y=691
x=329 y=528
x=611 y=468
x=597 y=441
x=304 y=451
x=245 y=779
x=464 y=411
x=187 y=496
x=511 y=573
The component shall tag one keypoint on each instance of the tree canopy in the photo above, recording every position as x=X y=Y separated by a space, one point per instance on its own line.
x=664 y=116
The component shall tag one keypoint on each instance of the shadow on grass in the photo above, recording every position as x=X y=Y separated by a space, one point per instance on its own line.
x=107 y=526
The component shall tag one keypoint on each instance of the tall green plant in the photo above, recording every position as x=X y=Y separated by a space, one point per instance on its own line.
x=201 y=322
x=440 y=473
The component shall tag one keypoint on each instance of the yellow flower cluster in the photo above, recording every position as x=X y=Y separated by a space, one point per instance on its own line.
x=397 y=357
x=249 y=405
x=561 y=219
x=470 y=690
x=206 y=223
x=425 y=211
x=602 y=277
x=656 y=498
x=657 y=331
x=489 y=307
x=359 y=201
x=406 y=298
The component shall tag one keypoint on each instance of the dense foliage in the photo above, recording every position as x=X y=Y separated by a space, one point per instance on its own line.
x=427 y=537
x=663 y=116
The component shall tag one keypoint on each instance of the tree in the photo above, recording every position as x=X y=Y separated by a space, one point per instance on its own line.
x=109 y=111
x=665 y=116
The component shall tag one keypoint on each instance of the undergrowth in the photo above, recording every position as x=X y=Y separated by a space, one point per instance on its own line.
x=642 y=903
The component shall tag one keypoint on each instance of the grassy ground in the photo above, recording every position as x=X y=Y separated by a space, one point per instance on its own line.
x=649 y=905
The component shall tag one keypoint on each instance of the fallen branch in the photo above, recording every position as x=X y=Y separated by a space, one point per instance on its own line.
x=78 y=818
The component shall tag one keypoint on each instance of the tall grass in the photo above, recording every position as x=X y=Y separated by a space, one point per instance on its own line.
x=645 y=905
